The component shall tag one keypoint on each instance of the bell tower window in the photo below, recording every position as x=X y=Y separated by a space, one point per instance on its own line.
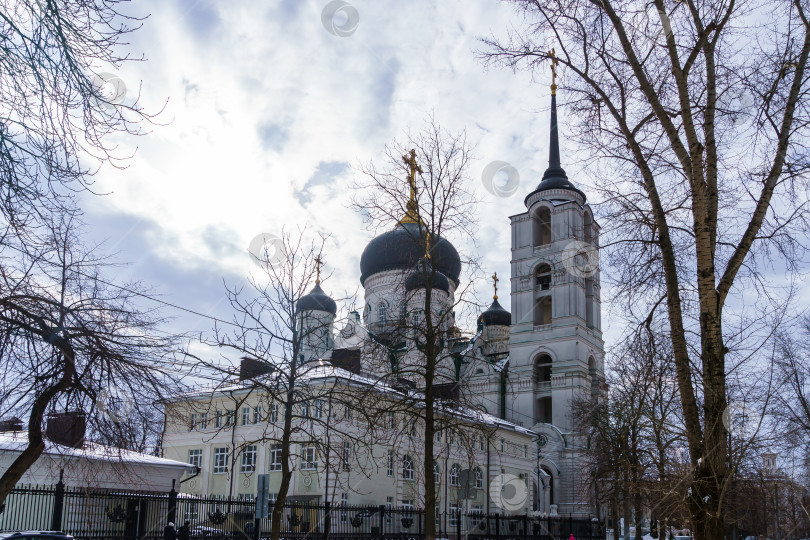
x=542 y=370
x=542 y=311
x=543 y=277
x=382 y=312
x=541 y=227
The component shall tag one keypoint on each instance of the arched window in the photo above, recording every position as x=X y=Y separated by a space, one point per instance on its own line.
x=479 y=478
x=542 y=370
x=543 y=277
x=403 y=310
x=542 y=311
x=382 y=311
x=437 y=473
x=541 y=227
x=455 y=475
x=407 y=468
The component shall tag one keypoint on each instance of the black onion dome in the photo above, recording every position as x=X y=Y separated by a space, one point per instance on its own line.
x=416 y=279
x=316 y=300
x=495 y=316
x=402 y=248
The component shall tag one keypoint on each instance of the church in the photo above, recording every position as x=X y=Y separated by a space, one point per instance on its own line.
x=520 y=370
x=526 y=366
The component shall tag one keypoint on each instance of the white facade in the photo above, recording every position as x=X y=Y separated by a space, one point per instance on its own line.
x=93 y=466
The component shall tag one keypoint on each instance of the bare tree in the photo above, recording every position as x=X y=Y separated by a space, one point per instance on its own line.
x=59 y=101
x=280 y=336
x=71 y=339
x=695 y=117
x=419 y=348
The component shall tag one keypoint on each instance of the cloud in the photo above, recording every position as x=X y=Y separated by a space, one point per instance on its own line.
x=266 y=112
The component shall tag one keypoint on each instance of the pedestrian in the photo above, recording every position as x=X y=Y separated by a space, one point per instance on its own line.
x=184 y=533
x=169 y=533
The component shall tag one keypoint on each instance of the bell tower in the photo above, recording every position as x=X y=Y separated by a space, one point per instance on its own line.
x=555 y=341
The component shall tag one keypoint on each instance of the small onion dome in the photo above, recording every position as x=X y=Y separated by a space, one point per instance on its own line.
x=416 y=279
x=402 y=248
x=316 y=300
x=495 y=316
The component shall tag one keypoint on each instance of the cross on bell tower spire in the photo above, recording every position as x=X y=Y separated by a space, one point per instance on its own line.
x=495 y=281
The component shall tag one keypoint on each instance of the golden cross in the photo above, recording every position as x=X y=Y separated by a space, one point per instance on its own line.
x=554 y=63
x=427 y=245
x=411 y=214
x=318 y=263
x=495 y=281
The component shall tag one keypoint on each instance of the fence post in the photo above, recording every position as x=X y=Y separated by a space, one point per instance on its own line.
x=382 y=522
x=497 y=526
x=458 y=524
x=172 y=514
x=327 y=524
x=525 y=526
x=58 y=503
x=419 y=518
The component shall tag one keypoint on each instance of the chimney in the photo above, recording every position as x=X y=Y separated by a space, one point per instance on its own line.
x=11 y=424
x=250 y=368
x=66 y=428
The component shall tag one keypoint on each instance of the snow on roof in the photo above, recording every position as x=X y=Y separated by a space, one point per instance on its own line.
x=324 y=370
x=16 y=441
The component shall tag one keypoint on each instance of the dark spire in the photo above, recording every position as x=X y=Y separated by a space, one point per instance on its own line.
x=554 y=169
x=554 y=178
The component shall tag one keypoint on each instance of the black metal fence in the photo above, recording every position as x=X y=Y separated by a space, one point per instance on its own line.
x=125 y=515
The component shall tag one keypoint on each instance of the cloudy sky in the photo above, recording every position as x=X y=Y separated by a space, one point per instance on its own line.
x=266 y=116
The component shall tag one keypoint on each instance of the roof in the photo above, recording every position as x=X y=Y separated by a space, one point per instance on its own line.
x=16 y=441
x=323 y=371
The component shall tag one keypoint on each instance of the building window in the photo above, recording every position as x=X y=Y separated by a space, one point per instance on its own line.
x=382 y=312
x=476 y=509
x=347 y=455
x=479 y=478
x=390 y=463
x=543 y=277
x=481 y=442
x=220 y=460
x=407 y=468
x=392 y=420
x=344 y=502
x=541 y=227
x=218 y=418
x=191 y=511
x=455 y=473
x=437 y=473
x=230 y=417
x=275 y=457
x=415 y=325
x=438 y=436
x=407 y=504
x=309 y=461
x=318 y=408
x=455 y=508
x=245 y=416
x=204 y=420
x=347 y=413
x=305 y=409
x=192 y=422
x=274 y=413
x=249 y=459
x=451 y=436
x=389 y=504
x=503 y=446
x=525 y=450
x=195 y=457
x=257 y=414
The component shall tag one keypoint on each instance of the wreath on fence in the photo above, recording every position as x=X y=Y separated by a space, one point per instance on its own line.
x=217 y=517
x=117 y=514
x=407 y=522
x=295 y=519
x=357 y=520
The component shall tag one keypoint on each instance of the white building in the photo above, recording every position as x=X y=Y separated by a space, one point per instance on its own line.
x=521 y=371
